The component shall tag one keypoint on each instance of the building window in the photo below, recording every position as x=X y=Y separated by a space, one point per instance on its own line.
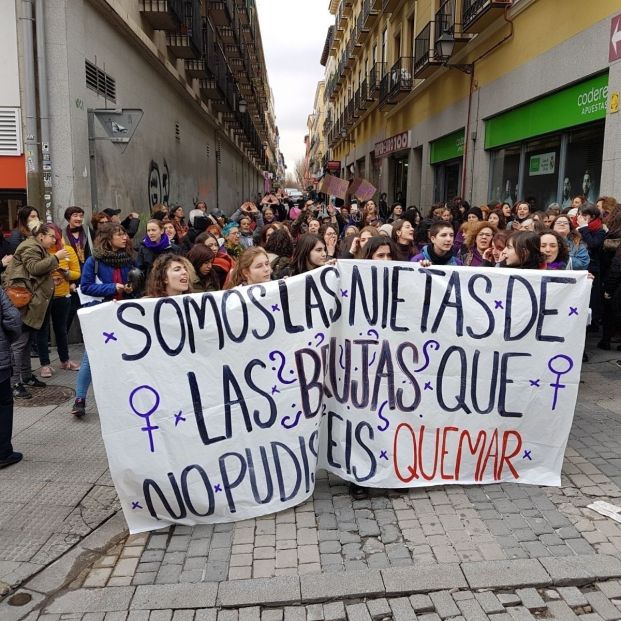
x=100 y=82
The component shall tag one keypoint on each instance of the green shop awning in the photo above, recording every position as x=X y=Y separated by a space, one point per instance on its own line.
x=448 y=147
x=576 y=105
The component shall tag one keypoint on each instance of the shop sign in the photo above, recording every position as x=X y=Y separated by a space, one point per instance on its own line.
x=614 y=49
x=542 y=164
x=448 y=147
x=333 y=165
x=576 y=105
x=399 y=142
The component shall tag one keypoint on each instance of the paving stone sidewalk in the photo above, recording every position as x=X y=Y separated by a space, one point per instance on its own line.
x=61 y=491
x=334 y=541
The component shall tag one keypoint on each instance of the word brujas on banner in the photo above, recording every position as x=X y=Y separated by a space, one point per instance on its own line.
x=221 y=406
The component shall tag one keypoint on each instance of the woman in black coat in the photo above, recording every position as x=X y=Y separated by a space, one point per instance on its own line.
x=10 y=329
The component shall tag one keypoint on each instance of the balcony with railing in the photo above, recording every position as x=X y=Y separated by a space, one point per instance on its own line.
x=362 y=29
x=448 y=25
x=197 y=67
x=221 y=12
x=162 y=14
x=187 y=40
x=477 y=15
x=357 y=104
x=363 y=103
x=370 y=13
x=397 y=82
x=425 y=61
x=375 y=78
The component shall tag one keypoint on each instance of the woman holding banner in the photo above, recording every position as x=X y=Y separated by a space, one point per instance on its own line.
x=440 y=249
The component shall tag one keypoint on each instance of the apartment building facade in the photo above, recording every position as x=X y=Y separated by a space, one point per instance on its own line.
x=137 y=102
x=486 y=99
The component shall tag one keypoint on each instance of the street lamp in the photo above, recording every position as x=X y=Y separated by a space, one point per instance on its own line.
x=242 y=106
x=445 y=46
x=344 y=137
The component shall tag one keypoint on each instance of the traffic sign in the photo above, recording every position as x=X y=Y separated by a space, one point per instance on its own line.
x=614 y=51
x=120 y=125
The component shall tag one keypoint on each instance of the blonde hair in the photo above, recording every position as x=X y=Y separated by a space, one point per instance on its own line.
x=236 y=276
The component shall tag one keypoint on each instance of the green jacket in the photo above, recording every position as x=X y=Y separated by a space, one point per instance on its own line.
x=32 y=267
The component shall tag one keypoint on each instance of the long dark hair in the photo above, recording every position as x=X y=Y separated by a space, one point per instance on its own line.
x=563 y=250
x=302 y=252
x=22 y=218
x=377 y=242
x=527 y=246
x=280 y=243
x=103 y=239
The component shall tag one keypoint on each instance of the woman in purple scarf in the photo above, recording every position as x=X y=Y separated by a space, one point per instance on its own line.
x=155 y=242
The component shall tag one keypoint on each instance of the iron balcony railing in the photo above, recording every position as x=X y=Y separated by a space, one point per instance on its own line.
x=472 y=9
x=363 y=95
x=375 y=77
x=445 y=20
x=422 y=49
x=401 y=77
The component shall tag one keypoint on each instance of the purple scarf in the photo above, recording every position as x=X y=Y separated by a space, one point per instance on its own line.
x=159 y=246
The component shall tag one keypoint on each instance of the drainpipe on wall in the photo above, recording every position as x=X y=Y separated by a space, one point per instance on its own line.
x=44 y=110
x=31 y=141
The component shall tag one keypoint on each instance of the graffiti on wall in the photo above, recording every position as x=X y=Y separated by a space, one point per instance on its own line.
x=159 y=183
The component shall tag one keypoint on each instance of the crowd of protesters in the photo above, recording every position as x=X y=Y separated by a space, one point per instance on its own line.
x=171 y=252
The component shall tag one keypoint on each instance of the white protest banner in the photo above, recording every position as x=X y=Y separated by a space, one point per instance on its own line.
x=221 y=406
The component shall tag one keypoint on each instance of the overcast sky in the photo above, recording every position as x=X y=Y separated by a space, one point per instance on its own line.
x=293 y=33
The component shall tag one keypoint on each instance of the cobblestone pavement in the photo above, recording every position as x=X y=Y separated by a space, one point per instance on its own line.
x=62 y=489
x=500 y=551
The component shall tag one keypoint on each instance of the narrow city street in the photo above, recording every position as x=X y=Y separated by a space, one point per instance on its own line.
x=504 y=552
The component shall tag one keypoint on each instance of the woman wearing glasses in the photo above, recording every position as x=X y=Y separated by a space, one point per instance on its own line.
x=32 y=267
x=104 y=278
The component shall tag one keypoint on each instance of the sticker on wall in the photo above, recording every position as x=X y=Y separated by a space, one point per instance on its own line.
x=542 y=164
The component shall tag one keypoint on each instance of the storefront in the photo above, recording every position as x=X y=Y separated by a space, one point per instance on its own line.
x=550 y=150
x=446 y=157
x=12 y=189
x=396 y=150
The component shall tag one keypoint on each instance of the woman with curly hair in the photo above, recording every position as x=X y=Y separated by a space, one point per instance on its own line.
x=478 y=239
x=253 y=268
x=170 y=275
x=205 y=279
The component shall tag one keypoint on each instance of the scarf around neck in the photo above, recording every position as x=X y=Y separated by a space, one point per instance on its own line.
x=438 y=259
x=113 y=258
x=159 y=246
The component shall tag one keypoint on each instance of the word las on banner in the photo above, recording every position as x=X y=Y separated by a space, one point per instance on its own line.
x=388 y=375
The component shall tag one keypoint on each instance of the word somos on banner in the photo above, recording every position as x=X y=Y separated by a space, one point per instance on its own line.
x=222 y=406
